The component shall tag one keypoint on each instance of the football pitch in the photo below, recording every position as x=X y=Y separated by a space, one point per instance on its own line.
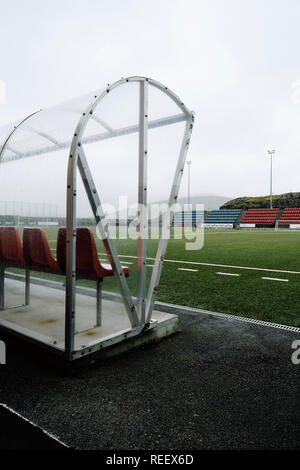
x=254 y=274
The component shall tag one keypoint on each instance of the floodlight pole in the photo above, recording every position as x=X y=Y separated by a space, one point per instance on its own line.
x=189 y=182
x=271 y=153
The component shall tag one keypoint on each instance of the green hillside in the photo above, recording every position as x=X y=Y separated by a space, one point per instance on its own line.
x=279 y=200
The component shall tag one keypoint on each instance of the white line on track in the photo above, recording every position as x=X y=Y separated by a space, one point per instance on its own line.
x=52 y=436
x=275 y=279
x=228 y=274
x=187 y=269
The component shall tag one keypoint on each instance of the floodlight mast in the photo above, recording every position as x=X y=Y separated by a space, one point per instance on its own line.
x=271 y=153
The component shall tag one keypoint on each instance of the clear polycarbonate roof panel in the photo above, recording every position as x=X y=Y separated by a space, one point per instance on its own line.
x=44 y=131
x=117 y=114
x=160 y=105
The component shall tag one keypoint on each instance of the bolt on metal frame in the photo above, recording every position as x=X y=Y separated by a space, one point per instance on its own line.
x=139 y=314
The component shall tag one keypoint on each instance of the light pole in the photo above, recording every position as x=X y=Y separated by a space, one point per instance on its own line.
x=189 y=182
x=271 y=153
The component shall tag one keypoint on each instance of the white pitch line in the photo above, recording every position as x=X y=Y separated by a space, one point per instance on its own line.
x=198 y=263
x=49 y=434
x=228 y=274
x=275 y=279
x=233 y=267
x=187 y=269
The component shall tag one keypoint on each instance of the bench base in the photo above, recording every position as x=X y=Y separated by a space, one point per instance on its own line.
x=42 y=322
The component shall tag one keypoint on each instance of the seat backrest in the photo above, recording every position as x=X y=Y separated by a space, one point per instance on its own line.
x=87 y=261
x=37 y=251
x=11 y=250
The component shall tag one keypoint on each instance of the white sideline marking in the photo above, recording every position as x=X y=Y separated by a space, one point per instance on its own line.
x=198 y=263
x=234 y=267
x=186 y=269
x=275 y=279
x=228 y=274
x=52 y=436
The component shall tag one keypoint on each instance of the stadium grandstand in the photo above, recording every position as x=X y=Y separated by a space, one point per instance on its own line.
x=222 y=218
x=290 y=216
x=259 y=217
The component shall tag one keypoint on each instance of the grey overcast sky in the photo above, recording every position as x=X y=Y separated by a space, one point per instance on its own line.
x=234 y=62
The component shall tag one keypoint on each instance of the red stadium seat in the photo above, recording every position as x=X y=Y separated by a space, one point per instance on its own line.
x=37 y=251
x=260 y=216
x=88 y=265
x=290 y=215
x=11 y=250
x=11 y=256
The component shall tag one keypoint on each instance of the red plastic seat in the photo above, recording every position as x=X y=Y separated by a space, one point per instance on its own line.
x=37 y=253
x=11 y=250
x=88 y=265
x=11 y=256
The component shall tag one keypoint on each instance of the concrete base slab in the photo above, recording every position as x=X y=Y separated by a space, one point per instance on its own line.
x=43 y=320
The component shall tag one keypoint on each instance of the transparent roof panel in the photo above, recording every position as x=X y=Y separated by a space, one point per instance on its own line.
x=120 y=107
x=116 y=114
x=161 y=105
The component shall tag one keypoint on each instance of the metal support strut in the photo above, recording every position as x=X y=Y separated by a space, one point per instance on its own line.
x=99 y=304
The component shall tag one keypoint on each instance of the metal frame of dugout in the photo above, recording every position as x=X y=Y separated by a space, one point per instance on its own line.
x=139 y=311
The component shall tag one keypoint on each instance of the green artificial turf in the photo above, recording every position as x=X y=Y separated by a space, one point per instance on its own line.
x=246 y=295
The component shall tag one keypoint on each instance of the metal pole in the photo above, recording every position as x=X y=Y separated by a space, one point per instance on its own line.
x=189 y=183
x=99 y=302
x=271 y=202
x=71 y=254
x=27 y=286
x=2 y=273
x=142 y=202
x=271 y=153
